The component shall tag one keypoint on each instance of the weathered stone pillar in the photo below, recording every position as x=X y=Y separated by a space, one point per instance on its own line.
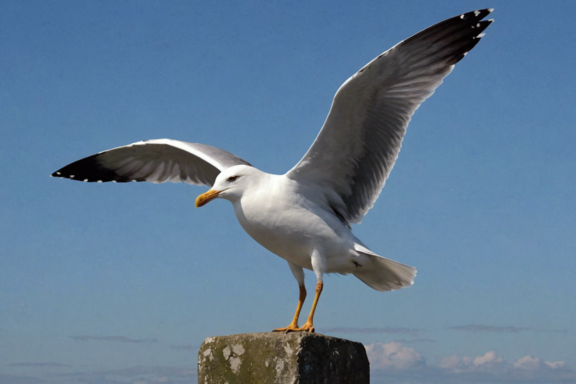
x=279 y=358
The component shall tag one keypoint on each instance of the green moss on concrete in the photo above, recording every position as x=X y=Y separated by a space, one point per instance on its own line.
x=280 y=358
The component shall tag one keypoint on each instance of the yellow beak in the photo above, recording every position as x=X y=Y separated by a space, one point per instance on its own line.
x=205 y=198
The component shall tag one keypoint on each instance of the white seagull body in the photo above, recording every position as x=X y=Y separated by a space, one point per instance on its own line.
x=298 y=224
x=304 y=215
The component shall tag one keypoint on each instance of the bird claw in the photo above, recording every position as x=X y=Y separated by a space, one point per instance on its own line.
x=290 y=328
x=307 y=327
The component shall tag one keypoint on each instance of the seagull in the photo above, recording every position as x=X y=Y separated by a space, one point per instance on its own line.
x=305 y=215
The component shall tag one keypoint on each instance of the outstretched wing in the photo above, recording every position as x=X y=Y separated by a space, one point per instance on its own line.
x=356 y=149
x=156 y=161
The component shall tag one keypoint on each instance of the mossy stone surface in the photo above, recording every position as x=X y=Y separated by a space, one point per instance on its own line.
x=279 y=358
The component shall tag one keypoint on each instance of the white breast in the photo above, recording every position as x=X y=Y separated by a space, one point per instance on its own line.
x=290 y=225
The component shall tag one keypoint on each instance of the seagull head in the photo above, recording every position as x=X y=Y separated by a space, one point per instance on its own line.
x=231 y=184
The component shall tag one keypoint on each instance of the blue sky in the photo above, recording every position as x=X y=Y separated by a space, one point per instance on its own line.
x=121 y=283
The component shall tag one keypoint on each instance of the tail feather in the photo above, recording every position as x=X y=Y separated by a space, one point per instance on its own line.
x=383 y=274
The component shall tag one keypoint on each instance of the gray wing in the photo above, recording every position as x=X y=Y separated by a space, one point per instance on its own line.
x=358 y=145
x=156 y=161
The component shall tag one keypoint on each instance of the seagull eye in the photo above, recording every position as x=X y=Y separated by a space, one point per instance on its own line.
x=232 y=178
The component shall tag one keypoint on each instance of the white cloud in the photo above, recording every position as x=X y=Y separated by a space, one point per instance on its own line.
x=455 y=363
x=556 y=364
x=534 y=363
x=492 y=363
x=527 y=362
x=406 y=364
x=489 y=358
x=488 y=363
x=394 y=356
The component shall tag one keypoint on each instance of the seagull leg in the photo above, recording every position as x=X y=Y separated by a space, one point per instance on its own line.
x=298 y=273
x=309 y=326
x=319 y=267
x=294 y=324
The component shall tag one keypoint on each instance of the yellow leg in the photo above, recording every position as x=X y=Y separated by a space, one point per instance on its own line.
x=294 y=324
x=309 y=326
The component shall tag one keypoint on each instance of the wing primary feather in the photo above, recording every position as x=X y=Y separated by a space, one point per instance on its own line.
x=155 y=161
x=359 y=143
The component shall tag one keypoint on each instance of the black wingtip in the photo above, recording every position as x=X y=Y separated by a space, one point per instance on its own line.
x=479 y=14
x=90 y=170
x=455 y=36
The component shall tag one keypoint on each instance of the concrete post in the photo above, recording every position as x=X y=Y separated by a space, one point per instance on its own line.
x=279 y=358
